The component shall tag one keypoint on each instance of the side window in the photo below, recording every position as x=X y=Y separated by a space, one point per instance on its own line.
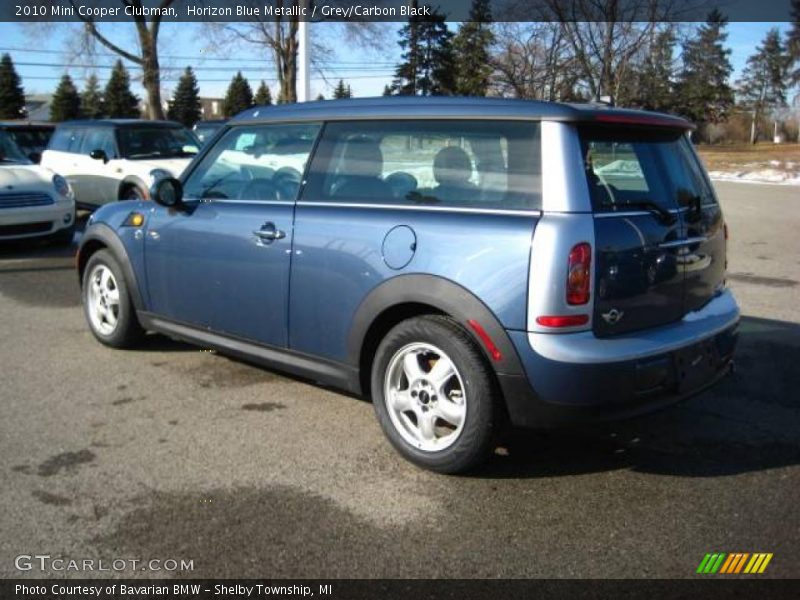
x=481 y=164
x=254 y=162
x=63 y=139
x=99 y=139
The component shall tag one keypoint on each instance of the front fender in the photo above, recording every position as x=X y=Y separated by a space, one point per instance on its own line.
x=442 y=294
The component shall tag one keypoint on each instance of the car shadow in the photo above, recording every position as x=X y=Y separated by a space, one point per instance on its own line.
x=748 y=422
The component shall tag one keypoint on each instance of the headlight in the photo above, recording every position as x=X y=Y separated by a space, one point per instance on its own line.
x=62 y=186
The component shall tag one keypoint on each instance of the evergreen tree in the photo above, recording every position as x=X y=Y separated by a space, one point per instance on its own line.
x=263 y=96
x=387 y=91
x=764 y=81
x=320 y=96
x=66 y=102
x=12 y=96
x=427 y=67
x=92 y=105
x=120 y=102
x=471 y=51
x=239 y=96
x=703 y=92
x=340 y=91
x=654 y=79
x=793 y=43
x=185 y=104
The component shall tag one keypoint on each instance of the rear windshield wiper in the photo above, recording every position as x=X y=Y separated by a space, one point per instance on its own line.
x=659 y=211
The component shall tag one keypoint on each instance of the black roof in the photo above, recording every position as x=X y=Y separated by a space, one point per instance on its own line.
x=26 y=125
x=118 y=123
x=444 y=107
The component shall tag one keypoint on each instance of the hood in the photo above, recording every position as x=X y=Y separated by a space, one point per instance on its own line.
x=173 y=165
x=22 y=177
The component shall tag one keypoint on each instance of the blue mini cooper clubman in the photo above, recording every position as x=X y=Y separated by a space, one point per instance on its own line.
x=467 y=263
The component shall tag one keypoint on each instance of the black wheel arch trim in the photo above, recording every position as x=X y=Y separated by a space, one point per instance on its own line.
x=132 y=181
x=442 y=294
x=102 y=233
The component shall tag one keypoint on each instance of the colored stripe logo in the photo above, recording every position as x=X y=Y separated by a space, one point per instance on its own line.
x=734 y=563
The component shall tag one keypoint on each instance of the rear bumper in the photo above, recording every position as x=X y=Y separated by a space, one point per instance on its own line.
x=576 y=377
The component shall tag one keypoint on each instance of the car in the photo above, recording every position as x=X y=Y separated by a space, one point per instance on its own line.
x=117 y=159
x=34 y=201
x=205 y=130
x=31 y=137
x=467 y=263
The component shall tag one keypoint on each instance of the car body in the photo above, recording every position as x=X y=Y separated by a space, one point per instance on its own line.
x=115 y=159
x=205 y=130
x=466 y=262
x=34 y=201
x=31 y=137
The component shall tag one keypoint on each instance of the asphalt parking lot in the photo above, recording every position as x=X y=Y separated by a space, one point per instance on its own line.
x=170 y=452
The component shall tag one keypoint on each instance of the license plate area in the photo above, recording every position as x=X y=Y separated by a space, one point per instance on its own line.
x=696 y=365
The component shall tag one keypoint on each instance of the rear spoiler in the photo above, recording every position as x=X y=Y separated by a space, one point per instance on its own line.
x=639 y=119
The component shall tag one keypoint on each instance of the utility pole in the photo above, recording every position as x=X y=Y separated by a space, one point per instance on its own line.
x=303 y=54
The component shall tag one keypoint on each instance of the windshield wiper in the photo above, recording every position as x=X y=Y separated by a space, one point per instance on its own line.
x=659 y=211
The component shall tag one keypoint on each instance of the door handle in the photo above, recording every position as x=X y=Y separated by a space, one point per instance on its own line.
x=269 y=233
x=685 y=242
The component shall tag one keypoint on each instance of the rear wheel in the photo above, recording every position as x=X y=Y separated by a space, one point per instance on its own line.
x=434 y=395
x=107 y=304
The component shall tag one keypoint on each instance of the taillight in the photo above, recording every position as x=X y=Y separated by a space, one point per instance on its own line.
x=563 y=320
x=578 y=274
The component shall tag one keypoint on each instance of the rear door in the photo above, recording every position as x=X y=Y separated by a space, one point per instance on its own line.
x=639 y=230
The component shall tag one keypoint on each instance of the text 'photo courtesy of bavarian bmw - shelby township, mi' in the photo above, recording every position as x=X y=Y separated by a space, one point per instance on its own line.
x=412 y=299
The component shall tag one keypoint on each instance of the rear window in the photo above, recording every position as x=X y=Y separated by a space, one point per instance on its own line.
x=482 y=164
x=625 y=168
x=66 y=139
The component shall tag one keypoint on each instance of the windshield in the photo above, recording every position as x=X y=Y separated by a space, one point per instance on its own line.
x=9 y=152
x=156 y=142
x=30 y=140
x=631 y=169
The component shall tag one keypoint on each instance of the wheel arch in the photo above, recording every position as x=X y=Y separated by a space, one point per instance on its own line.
x=407 y=296
x=132 y=181
x=102 y=237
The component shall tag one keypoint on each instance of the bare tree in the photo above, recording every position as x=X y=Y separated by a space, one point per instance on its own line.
x=147 y=30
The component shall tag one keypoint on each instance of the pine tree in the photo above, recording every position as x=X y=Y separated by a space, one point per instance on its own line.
x=471 y=51
x=185 y=104
x=120 y=102
x=793 y=43
x=764 y=81
x=12 y=95
x=703 y=92
x=66 y=102
x=340 y=91
x=320 y=96
x=427 y=67
x=653 y=81
x=239 y=96
x=263 y=96
x=92 y=105
x=387 y=91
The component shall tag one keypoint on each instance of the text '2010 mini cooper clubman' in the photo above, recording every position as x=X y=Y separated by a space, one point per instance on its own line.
x=466 y=262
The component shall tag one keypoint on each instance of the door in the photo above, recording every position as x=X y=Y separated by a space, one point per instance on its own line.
x=639 y=230
x=222 y=263
x=100 y=178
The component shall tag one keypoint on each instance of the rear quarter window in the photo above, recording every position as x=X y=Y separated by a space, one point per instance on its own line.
x=480 y=164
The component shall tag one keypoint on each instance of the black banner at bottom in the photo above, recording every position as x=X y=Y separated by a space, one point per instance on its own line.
x=411 y=589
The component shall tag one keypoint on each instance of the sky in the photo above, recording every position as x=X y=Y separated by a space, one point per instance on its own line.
x=181 y=44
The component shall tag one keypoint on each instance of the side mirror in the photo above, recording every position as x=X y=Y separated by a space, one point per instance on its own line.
x=36 y=157
x=167 y=192
x=99 y=155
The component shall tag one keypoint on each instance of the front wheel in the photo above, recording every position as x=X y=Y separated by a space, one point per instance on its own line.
x=434 y=394
x=107 y=304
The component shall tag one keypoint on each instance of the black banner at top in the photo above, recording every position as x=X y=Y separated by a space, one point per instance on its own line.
x=388 y=10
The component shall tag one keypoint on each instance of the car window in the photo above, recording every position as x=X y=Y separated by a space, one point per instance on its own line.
x=30 y=140
x=256 y=162
x=66 y=139
x=10 y=152
x=628 y=167
x=482 y=164
x=99 y=139
x=143 y=143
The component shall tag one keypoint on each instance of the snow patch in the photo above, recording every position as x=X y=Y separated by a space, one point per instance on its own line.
x=778 y=176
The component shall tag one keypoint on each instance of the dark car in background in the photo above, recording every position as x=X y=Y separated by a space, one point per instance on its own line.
x=205 y=130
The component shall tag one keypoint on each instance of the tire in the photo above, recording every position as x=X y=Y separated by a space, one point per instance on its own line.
x=132 y=192
x=117 y=326
x=64 y=237
x=464 y=410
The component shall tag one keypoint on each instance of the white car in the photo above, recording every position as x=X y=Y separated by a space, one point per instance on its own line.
x=118 y=159
x=34 y=201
